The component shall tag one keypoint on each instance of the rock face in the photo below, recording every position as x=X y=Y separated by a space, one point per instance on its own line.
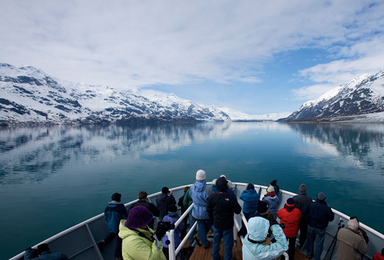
x=361 y=98
x=30 y=96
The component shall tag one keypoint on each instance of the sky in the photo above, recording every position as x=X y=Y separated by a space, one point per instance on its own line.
x=258 y=57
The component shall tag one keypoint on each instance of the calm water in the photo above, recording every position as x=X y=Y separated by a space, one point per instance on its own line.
x=54 y=177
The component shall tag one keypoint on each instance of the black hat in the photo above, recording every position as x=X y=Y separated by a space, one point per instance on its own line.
x=42 y=248
x=116 y=197
x=273 y=183
x=221 y=184
x=165 y=190
x=250 y=186
x=262 y=207
x=172 y=208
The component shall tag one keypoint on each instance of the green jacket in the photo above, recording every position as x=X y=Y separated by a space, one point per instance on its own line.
x=187 y=200
x=136 y=247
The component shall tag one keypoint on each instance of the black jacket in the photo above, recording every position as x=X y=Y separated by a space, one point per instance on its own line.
x=221 y=207
x=319 y=214
x=163 y=202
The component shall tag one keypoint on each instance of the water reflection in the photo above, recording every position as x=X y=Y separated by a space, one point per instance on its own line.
x=33 y=154
x=362 y=144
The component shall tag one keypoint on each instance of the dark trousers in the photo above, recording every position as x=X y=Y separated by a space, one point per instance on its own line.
x=291 y=248
x=303 y=227
x=118 y=242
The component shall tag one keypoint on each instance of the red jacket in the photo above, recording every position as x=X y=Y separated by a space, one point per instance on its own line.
x=378 y=256
x=291 y=221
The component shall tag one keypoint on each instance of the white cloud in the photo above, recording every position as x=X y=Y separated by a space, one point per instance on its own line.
x=141 y=43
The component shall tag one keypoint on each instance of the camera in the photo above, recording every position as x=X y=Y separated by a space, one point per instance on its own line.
x=165 y=225
x=341 y=223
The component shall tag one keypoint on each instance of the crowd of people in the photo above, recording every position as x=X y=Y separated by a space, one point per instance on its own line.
x=214 y=207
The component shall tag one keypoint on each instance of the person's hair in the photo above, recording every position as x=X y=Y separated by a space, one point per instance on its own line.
x=353 y=224
x=142 y=195
x=42 y=248
x=382 y=251
x=186 y=188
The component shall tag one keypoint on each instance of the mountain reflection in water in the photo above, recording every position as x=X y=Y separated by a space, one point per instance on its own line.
x=55 y=177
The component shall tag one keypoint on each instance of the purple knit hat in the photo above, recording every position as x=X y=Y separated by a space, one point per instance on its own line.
x=138 y=217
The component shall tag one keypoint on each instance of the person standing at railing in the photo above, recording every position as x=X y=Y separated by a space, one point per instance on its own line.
x=143 y=201
x=251 y=200
x=165 y=199
x=290 y=217
x=273 y=200
x=199 y=193
x=183 y=209
x=187 y=202
x=221 y=208
x=319 y=215
x=113 y=213
x=300 y=201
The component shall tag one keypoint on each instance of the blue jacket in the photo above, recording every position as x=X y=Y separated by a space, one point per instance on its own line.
x=251 y=200
x=257 y=232
x=273 y=204
x=199 y=193
x=47 y=255
x=319 y=214
x=113 y=213
x=172 y=217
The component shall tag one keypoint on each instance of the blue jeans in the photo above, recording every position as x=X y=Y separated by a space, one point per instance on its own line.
x=227 y=236
x=315 y=235
x=192 y=221
x=203 y=227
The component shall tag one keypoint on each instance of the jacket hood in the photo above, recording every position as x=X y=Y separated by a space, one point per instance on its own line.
x=258 y=228
x=199 y=186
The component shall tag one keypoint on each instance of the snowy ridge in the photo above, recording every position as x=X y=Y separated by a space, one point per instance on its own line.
x=30 y=96
x=362 y=99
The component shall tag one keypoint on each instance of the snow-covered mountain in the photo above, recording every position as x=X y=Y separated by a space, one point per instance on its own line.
x=28 y=95
x=362 y=99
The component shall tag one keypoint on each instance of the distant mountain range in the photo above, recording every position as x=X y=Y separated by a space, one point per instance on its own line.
x=362 y=99
x=30 y=96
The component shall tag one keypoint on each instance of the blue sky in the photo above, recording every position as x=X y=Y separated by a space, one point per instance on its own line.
x=255 y=56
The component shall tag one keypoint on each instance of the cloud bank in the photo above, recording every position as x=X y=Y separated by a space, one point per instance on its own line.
x=135 y=44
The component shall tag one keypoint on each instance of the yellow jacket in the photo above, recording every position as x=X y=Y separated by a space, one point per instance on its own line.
x=136 y=247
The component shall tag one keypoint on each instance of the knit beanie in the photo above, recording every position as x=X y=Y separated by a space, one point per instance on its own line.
x=250 y=186
x=138 y=217
x=290 y=202
x=116 y=197
x=262 y=206
x=221 y=184
x=200 y=175
x=270 y=189
x=303 y=188
x=321 y=196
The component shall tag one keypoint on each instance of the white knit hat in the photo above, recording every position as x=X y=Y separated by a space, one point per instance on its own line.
x=200 y=175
